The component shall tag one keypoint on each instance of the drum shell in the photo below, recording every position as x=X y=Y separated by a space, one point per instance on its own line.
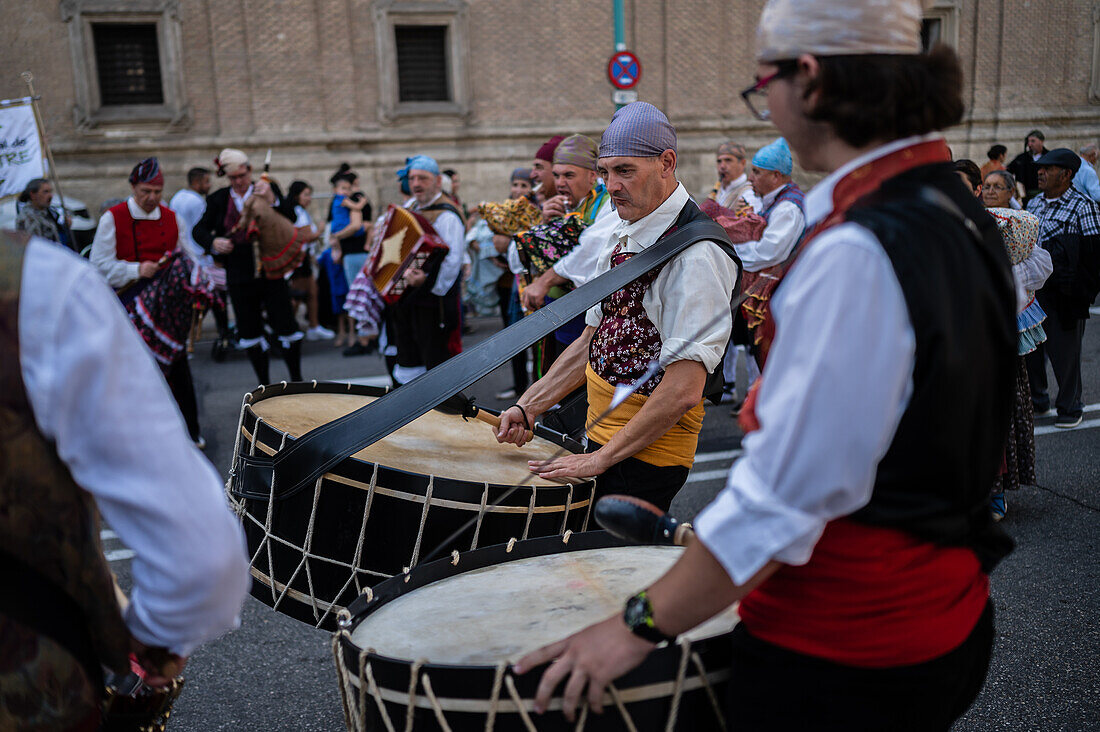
x=331 y=518
x=695 y=710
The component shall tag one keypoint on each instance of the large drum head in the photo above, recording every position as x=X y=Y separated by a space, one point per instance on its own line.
x=436 y=646
x=502 y=612
x=439 y=444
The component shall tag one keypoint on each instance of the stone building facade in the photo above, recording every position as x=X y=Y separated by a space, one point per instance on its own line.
x=324 y=81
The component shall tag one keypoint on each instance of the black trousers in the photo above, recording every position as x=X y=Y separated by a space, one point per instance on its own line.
x=775 y=689
x=424 y=326
x=183 y=389
x=1063 y=348
x=634 y=477
x=252 y=299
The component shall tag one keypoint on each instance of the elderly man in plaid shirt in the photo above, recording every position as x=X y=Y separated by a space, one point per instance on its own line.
x=1070 y=231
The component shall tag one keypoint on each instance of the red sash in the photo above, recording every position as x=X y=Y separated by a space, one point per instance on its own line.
x=869 y=596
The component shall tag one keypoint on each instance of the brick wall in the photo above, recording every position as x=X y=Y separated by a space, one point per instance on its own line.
x=302 y=79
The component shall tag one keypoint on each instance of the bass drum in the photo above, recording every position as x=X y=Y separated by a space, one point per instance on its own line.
x=380 y=512
x=434 y=649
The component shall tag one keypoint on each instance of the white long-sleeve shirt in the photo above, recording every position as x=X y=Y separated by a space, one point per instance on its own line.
x=690 y=292
x=450 y=229
x=785 y=224
x=104 y=255
x=838 y=379
x=97 y=394
x=579 y=265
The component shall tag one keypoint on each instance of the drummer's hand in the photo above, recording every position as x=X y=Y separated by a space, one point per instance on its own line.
x=222 y=245
x=583 y=465
x=159 y=668
x=148 y=269
x=513 y=429
x=415 y=277
x=594 y=657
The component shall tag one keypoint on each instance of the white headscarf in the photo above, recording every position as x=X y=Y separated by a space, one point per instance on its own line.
x=789 y=28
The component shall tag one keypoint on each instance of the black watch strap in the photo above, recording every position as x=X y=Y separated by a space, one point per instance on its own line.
x=638 y=616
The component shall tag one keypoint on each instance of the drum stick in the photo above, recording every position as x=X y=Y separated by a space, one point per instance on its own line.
x=466 y=408
x=640 y=521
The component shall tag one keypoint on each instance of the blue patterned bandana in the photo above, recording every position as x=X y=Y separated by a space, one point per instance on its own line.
x=638 y=130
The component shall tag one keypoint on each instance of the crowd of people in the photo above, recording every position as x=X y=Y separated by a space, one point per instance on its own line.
x=975 y=276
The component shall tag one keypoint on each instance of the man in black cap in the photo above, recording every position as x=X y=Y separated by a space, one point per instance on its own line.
x=1070 y=230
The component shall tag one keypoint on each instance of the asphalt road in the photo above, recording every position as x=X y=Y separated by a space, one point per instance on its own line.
x=275 y=673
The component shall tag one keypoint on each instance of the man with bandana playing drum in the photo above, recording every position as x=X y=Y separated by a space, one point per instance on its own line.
x=674 y=313
x=854 y=529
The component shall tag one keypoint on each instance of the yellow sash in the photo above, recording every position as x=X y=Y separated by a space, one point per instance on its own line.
x=675 y=447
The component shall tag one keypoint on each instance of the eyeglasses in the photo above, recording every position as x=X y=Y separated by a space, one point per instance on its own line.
x=756 y=96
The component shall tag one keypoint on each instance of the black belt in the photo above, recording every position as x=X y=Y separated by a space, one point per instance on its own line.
x=316 y=452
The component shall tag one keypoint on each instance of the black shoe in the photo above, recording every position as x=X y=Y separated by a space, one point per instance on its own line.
x=357 y=349
x=1068 y=421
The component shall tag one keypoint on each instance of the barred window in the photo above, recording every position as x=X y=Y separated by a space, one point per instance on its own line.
x=422 y=74
x=127 y=63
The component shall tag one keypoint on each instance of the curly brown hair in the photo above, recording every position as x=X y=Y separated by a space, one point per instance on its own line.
x=887 y=97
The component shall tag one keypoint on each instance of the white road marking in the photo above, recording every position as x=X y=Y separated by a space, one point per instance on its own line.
x=107 y=535
x=706 y=475
x=118 y=555
x=710 y=457
x=1094 y=311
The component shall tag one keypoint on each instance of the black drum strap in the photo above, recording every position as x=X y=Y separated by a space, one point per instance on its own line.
x=316 y=452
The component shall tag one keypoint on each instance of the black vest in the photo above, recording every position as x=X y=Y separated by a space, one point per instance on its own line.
x=935 y=479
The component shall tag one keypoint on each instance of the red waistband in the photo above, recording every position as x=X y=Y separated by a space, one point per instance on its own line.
x=871 y=597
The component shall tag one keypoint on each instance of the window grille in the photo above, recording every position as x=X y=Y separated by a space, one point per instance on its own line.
x=127 y=63
x=422 y=74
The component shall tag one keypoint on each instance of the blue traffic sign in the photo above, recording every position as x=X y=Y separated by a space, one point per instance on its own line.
x=624 y=70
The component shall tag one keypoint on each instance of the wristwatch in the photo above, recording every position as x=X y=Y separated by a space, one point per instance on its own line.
x=638 y=616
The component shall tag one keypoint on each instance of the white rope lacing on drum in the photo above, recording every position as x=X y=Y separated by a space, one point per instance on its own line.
x=481 y=515
x=582 y=717
x=307 y=552
x=530 y=511
x=523 y=715
x=494 y=696
x=454 y=558
x=622 y=708
x=356 y=557
x=698 y=663
x=565 y=537
x=511 y=545
x=414 y=674
x=376 y=693
x=678 y=687
x=568 y=506
x=342 y=679
x=427 y=683
x=423 y=520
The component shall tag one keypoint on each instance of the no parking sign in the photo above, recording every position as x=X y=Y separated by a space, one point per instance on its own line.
x=624 y=70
